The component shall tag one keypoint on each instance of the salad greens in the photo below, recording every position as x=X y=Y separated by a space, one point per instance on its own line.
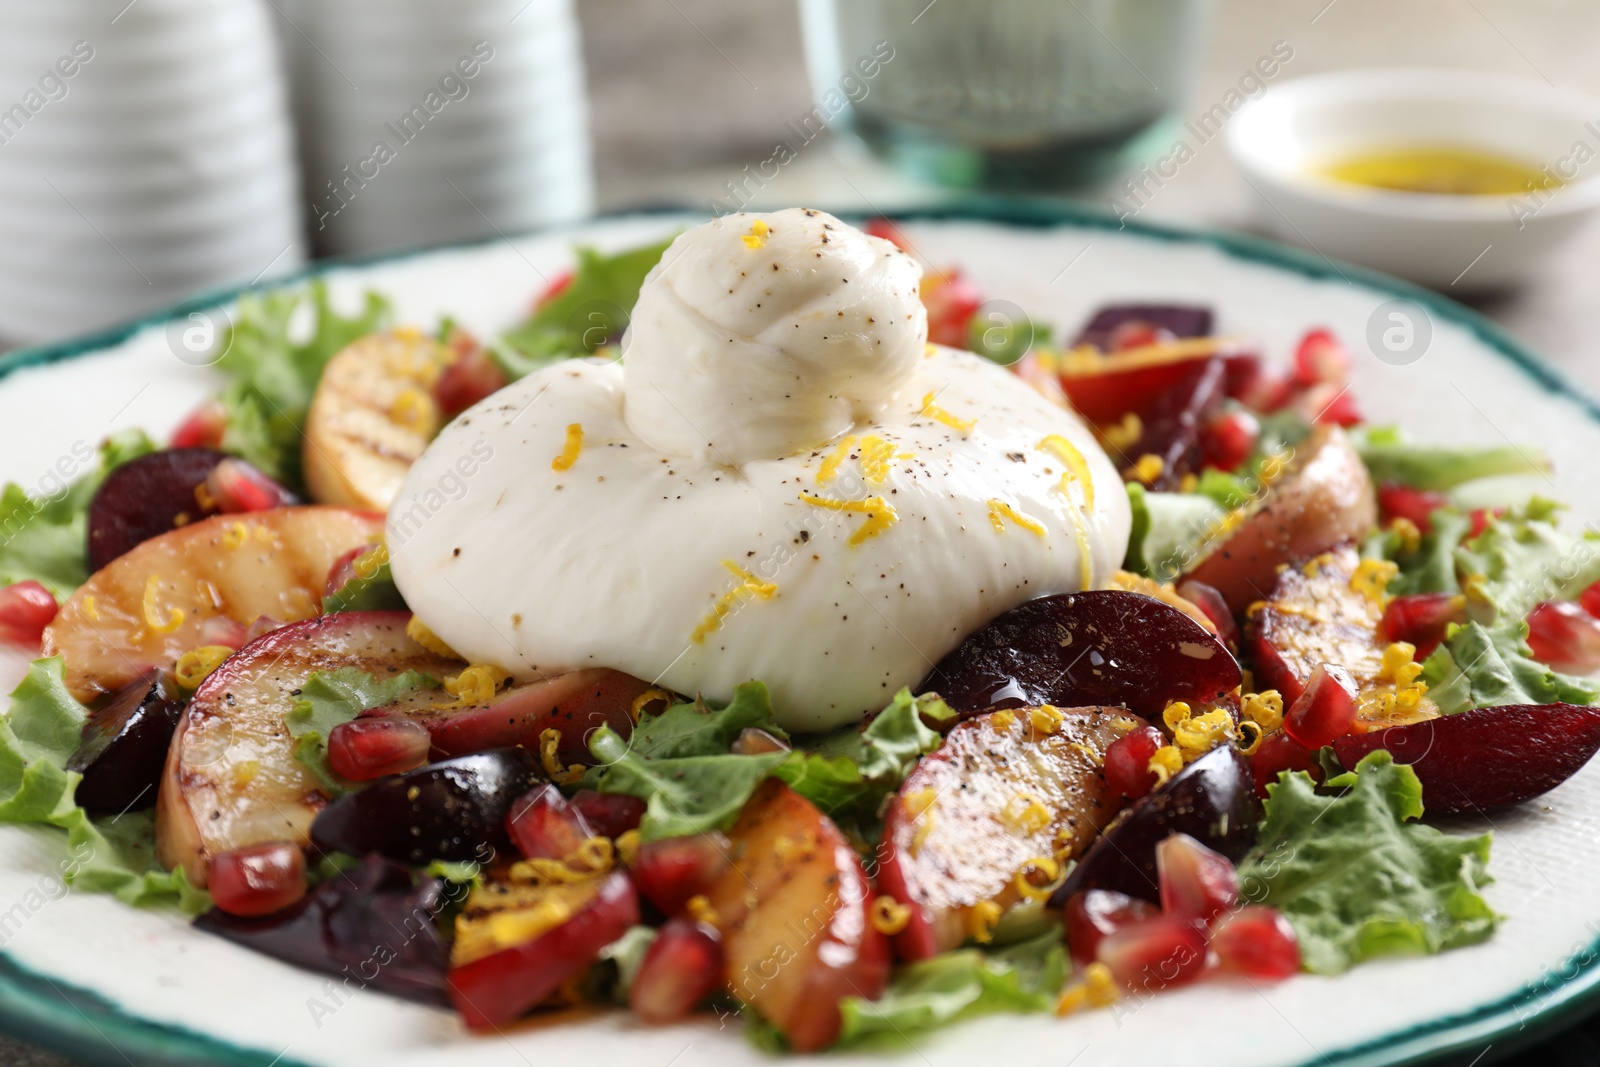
x=1392 y=458
x=679 y=764
x=43 y=538
x=114 y=855
x=590 y=311
x=1478 y=667
x=273 y=376
x=1357 y=877
x=329 y=698
x=374 y=592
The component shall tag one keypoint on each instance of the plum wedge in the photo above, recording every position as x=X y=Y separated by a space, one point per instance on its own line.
x=999 y=795
x=794 y=911
x=1488 y=757
x=1100 y=648
x=1324 y=497
x=1310 y=616
x=231 y=779
x=1213 y=800
x=575 y=704
x=149 y=606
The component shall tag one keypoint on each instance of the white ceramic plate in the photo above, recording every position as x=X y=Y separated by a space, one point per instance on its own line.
x=116 y=985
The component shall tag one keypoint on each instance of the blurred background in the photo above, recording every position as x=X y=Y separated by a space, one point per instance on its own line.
x=154 y=149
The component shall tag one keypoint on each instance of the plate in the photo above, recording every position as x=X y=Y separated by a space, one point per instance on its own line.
x=114 y=985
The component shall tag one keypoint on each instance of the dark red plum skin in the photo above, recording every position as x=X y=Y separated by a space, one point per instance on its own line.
x=1107 y=647
x=1178 y=319
x=451 y=810
x=1213 y=800
x=124 y=746
x=346 y=925
x=1486 y=758
x=146 y=497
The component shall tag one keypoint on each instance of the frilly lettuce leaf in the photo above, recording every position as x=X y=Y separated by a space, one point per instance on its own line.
x=1358 y=878
x=114 y=855
x=329 y=698
x=1476 y=667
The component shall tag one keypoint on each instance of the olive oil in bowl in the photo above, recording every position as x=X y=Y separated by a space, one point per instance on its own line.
x=1440 y=171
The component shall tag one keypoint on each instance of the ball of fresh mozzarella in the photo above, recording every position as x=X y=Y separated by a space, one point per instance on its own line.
x=565 y=523
x=761 y=335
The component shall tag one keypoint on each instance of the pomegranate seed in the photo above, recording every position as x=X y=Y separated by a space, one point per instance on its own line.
x=1278 y=753
x=1404 y=502
x=1227 y=440
x=1136 y=333
x=237 y=487
x=26 y=608
x=203 y=428
x=951 y=301
x=1268 y=391
x=682 y=967
x=258 y=880
x=1257 y=941
x=471 y=378
x=889 y=232
x=1325 y=710
x=557 y=286
x=1564 y=636
x=609 y=814
x=1127 y=762
x=363 y=749
x=753 y=741
x=1210 y=602
x=1590 y=599
x=1095 y=913
x=669 y=872
x=1157 y=953
x=1196 y=883
x=1328 y=404
x=221 y=630
x=543 y=824
x=1481 y=517
x=1321 y=359
x=1421 y=619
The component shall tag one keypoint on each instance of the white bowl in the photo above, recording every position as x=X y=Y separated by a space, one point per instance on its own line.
x=1449 y=242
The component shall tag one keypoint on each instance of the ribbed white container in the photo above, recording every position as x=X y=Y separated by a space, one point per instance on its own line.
x=502 y=146
x=162 y=166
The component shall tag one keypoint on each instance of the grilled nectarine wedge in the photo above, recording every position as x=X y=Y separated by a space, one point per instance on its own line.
x=149 y=606
x=970 y=823
x=794 y=910
x=231 y=778
x=1324 y=497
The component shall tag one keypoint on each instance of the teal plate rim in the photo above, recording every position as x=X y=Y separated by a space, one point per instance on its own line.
x=82 y=1024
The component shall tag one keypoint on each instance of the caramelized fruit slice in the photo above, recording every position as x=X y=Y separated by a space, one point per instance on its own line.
x=1323 y=498
x=1489 y=757
x=794 y=913
x=151 y=605
x=991 y=810
x=1313 y=616
x=1100 y=648
x=1213 y=800
x=231 y=779
x=576 y=704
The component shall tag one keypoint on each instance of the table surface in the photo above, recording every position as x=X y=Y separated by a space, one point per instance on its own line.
x=685 y=93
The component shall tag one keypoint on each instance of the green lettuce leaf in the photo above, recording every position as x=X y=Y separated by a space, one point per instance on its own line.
x=1391 y=458
x=376 y=592
x=851 y=771
x=1524 y=558
x=1169 y=532
x=683 y=795
x=1431 y=568
x=273 y=375
x=45 y=538
x=1479 y=667
x=329 y=698
x=115 y=855
x=1358 y=878
x=583 y=316
x=698 y=728
x=1025 y=977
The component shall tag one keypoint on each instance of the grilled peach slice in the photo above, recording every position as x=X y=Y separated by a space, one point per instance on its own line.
x=1004 y=789
x=794 y=912
x=1323 y=498
x=372 y=415
x=231 y=778
x=152 y=604
x=575 y=703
